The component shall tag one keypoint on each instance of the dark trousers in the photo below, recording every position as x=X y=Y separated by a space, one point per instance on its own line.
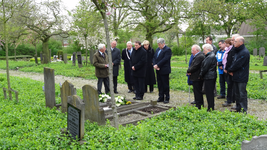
x=209 y=88
x=198 y=95
x=163 y=86
x=230 y=89
x=115 y=83
x=222 y=84
x=106 y=84
x=139 y=85
x=241 y=96
x=130 y=86
x=151 y=88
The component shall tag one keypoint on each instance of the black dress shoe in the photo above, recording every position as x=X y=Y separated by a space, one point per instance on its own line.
x=134 y=97
x=226 y=104
x=129 y=91
x=194 y=102
x=220 y=97
x=160 y=100
x=165 y=102
x=151 y=91
x=134 y=92
x=139 y=98
x=234 y=107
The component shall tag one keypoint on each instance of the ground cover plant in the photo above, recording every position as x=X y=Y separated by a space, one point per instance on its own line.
x=28 y=124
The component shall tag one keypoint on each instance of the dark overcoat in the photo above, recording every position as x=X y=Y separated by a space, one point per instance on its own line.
x=99 y=62
x=125 y=55
x=139 y=60
x=150 y=74
x=116 y=60
x=163 y=60
x=195 y=66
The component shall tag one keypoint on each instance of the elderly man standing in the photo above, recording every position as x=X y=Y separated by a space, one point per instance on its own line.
x=209 y=74
x=100 y=61
x=138 y=63
x=162 y=64
x=209 y=41
x=126 y=56
x=116 y=60
x=239 y=70
x=194 y=71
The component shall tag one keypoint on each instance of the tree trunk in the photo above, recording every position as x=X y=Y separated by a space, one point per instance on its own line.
x=185 y=47
x=149 y=38
x=15 y=53
x=35 y=56
x=114 y=107
x=177 y=35
x=46 y=57
x=115 y=24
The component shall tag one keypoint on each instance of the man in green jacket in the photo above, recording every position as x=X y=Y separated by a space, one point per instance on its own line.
x=100 y=61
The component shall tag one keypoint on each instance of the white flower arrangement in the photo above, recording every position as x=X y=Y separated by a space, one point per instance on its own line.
x=120 y=100
x=103 y=98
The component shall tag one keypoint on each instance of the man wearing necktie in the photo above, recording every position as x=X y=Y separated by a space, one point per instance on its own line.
x=116 y=60
x=162 y=65
x=100 y=61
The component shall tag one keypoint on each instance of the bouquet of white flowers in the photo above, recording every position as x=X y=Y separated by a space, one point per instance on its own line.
x=103 y=98
x=120 y=100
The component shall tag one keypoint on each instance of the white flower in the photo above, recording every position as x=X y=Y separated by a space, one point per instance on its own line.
x=118 y=105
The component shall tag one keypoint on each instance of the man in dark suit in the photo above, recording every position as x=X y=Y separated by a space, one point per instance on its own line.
x=126 y=56
x=194 y=71
x=162 y=64
x=138 y=62
x=116 y=60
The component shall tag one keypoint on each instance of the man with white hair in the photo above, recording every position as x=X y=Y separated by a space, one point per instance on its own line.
x=162 y=65
x=126 y=56
x=100 y=61
x=239 y=71
x=209 y=74
x=194 y=71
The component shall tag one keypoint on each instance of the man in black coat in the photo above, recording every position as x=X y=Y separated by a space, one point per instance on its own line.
x=116 y=60
x=194 y=71
x=126 y=56
x=209 y=74
x=239 y=70
x=162 y=64
x=138 y=62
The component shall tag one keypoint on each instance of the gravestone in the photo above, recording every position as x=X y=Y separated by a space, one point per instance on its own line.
x=65 y=58
x=60 y=57
x=74 y=59
x=66 y=90
x=92 y=110
x=262 y=51
x=255 y=52
x=83 y=58
x=49 y=87
x=79 y=57
x=265 y=61
x=257 y=143
x=75 y=117
x=41 y=56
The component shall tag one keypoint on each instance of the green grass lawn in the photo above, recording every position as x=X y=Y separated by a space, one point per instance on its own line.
x=28 y=124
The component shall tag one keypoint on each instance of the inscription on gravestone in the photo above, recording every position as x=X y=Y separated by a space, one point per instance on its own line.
x=74 y=59
x=255 y=52
x=262 y=51
x=79 y=57
x=257 y=143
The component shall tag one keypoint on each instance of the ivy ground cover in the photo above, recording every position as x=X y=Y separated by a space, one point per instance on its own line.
x=28 y=124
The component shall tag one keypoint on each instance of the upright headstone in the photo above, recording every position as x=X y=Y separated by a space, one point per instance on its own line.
x=93 y=112
x=41 y=56
x=262 y=51
x=79 y=57
x=257 y=143
x=255 y=52
x=75 y=117
x=83 y=58
x=65 y=58
x=265 y=61
x=74 y=59
x=66 y=90
x=49 y=87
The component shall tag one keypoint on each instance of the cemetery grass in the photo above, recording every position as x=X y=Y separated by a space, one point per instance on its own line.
x=28 y=124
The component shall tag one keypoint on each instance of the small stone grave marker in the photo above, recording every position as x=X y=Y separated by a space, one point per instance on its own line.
x=79 y=57
x=92 y=110
x=75 y=117
x=257 y=143
x=74 y=59
x=49 y=87
x=265 y=61
x=66 y=90
x=262 y=51
x=65 y=58
x=255 y=52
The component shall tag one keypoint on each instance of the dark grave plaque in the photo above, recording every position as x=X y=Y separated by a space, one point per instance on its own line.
x=79 y=57
x=74 y=121
x=74 y=59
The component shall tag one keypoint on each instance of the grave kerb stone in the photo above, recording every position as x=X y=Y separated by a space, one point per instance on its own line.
x=75 y=117
x=257 y=143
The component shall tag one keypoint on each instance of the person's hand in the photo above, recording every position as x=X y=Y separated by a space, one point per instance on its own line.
x=112 y=64
x=231 y=73
x=133 y=68
x=158 y=68
x=106 y=65
x=155 y=67
x=225 y=71
x=221 y=67
x=189 y=74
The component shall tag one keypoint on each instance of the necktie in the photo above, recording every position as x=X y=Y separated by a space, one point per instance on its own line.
x=103 y=55
x=159 y=52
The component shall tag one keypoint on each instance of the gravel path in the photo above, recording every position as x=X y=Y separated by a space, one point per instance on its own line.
x=257 y=108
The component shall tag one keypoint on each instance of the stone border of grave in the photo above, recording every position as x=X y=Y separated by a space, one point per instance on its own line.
x=256 y=143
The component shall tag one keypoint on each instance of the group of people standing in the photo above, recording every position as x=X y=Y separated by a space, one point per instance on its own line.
x=232 y=60
x=139 y=64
